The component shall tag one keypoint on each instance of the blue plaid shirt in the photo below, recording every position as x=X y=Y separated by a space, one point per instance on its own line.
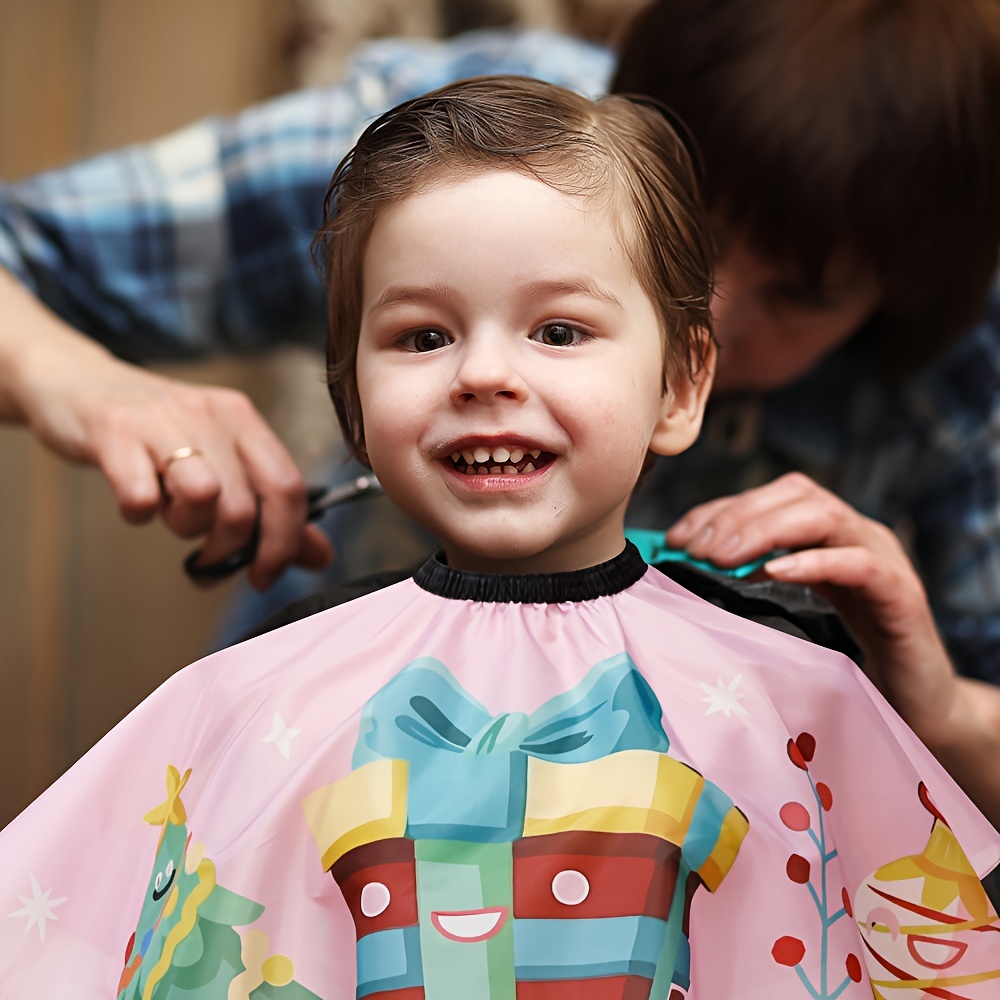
x=200 y=241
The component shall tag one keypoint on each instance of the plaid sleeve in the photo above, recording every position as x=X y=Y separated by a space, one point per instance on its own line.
x=957 y=514
x=200 y=240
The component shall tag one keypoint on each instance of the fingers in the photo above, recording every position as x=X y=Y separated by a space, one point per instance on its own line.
x=790 y=512
x=88 y=406
x=132 y=474
x=231 y=521
x=881 y=600
x=191 y=489
x=889 y=587
x=316 y=551
x=259 y=489
x=277 y=482
x=206 y=461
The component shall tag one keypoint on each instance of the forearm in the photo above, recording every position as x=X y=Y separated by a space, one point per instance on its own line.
x=966 y=740
x=957 y=718
x=37 y=349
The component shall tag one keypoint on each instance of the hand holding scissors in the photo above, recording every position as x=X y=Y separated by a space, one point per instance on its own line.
x=320 y=500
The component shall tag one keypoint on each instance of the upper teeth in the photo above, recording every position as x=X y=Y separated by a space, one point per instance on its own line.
x=500 y=455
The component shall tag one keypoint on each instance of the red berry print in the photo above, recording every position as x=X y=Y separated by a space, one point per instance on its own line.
x=788 y=951
x=825 y=796
x=795 y=816
x=795 y=755
x=854 y=968
x=798 y=817
x=797 y=869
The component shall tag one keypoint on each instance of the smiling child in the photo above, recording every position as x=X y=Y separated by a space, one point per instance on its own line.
x=537 y=770
x=513 y=326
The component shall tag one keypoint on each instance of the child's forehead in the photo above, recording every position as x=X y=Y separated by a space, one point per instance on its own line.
x=591 y=193
x=462 y=191
x=558 y=239
x=508 y=208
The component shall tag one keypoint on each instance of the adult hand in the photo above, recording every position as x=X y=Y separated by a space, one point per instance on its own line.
x=90 y=407
x=857 y=563
x=860 y=566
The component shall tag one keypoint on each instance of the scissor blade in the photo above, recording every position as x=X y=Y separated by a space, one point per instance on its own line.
x=341 y=493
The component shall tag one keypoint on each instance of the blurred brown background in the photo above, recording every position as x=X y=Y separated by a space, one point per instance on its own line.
x=93 y=613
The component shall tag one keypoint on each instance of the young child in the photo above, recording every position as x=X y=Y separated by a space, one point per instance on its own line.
x=537 y=770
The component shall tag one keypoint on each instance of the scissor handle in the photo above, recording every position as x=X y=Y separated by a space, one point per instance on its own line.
x=227 y=565
x=246 y=553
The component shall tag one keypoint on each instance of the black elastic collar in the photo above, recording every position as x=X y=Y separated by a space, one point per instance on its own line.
x=611 y=577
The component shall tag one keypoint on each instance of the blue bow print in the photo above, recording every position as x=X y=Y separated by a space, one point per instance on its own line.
x=467 y=774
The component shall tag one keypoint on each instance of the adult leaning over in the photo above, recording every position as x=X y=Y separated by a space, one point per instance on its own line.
x=851 y=158
x=850 y=162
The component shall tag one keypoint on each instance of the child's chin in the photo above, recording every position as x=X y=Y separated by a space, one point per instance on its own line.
x=506 y=552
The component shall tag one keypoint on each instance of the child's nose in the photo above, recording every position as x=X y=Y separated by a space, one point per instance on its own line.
x=487 y=372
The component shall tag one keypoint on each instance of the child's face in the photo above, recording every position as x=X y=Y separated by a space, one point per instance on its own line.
x=501 y=323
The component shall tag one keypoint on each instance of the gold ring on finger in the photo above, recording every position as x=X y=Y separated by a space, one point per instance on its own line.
x=179 y=455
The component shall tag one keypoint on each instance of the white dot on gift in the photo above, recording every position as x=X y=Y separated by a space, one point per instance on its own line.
x=570 y=887
x=374 y=899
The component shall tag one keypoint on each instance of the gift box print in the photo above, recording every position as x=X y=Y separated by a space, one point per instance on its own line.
x=524 y=876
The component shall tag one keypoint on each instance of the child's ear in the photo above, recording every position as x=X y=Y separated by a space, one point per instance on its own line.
x=683 y=407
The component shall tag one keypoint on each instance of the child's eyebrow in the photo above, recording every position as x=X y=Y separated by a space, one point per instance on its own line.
x=542 y=288
x=551 y=287
x=410 y=293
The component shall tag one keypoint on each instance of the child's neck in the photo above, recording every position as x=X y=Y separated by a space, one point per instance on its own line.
x=563 y=557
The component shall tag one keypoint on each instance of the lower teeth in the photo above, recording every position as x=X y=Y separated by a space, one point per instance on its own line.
x=472 y=469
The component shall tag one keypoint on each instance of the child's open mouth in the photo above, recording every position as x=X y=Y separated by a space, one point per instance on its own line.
x=499 y=460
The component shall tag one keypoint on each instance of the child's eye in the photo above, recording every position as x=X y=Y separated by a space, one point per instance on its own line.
x=558 y=335
x=423 y=341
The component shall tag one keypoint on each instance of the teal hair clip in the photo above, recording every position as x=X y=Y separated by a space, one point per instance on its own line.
x=653 y=548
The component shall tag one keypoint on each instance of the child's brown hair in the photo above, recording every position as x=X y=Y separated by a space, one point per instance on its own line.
x=866 y=126
x=621 y=152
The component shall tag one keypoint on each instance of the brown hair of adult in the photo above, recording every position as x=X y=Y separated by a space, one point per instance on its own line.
x=620 y=153
x=871 y=126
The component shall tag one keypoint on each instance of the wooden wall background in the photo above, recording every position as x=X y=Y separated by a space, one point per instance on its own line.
x=94 y=613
